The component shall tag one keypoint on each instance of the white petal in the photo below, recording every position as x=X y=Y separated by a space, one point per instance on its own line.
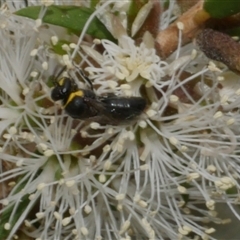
x=141 y=17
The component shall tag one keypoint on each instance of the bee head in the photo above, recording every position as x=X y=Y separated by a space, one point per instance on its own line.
x=62 y=89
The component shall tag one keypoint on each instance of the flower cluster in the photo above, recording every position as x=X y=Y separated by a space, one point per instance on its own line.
x=158 y=177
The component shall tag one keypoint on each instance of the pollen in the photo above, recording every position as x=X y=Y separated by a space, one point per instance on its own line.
x=224 y=99
x=92 y=158
x=27 y=223
x=32 y=196
x=72 y=211
x=84 y=134
x=102 y=178
x=182 y=189
x=184 y=148
x=45 y=66
x=125 y=86
x=151 y=113
x=119 y=207
x=193 y=176
x=7 y=136
x=48 y=153
x=72 y=45
x=148 y=84
x=193 y=54
x=41 y=186
x=211 y=168
x=210 y=204
x=210 y=230
x=19 y=163
x=84 y=231
x=40 y=215
x=144 y=167
x=65 y=47
x=74 y=231
x=180 y=25
x=42 y=146
x=38 y=22
x=33 y=52
x=97 y=41
x=7 y=226
x=34 y=74
x=224 y=183
x=87 y=209
x=142 y=203
x=67 y=61
x=57 y=215
x=173 y=141
x=218 y=114
x=125 y=227
x=131 y=135
x=212 y=67
x=142 y=124
x=70 y=183
x=220 y=78
x=106 y=148
x=95 y=125
x=107 y=165
x=183 y=231
x=230 y=121
x=54 y=40
x=173 y=99
x=47 y=3
x=66 y=221
x=120 y=196
x=12 y=130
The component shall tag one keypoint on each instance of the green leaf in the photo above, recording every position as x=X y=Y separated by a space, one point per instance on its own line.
x=71 y=17
x=233 y=31
x=232 y=190
x=221 y=8
x=7 y=213
x=58 y=47
x=94 y=3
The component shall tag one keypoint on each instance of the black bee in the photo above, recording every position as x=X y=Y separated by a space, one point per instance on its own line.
x=86 y=105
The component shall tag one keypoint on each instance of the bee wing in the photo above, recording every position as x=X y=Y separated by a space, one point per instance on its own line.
x=114 y=110
x=103 y=116
x=96 y=104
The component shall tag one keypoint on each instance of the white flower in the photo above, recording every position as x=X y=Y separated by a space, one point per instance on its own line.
x=127 y=62
x=148 y=179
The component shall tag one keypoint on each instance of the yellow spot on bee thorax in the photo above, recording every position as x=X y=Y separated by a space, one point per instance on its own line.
x=72 y=95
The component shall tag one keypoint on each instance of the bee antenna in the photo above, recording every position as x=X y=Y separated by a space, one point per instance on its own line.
x=58 y=75
x=85 y=78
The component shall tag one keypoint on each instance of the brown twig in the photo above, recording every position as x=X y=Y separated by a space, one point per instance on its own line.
x=193 y=19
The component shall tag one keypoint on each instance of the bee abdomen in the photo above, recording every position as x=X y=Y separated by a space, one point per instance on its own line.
x=124 y=108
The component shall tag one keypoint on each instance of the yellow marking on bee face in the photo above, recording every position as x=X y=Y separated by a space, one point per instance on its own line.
x=61 y=81
x=78 y=93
